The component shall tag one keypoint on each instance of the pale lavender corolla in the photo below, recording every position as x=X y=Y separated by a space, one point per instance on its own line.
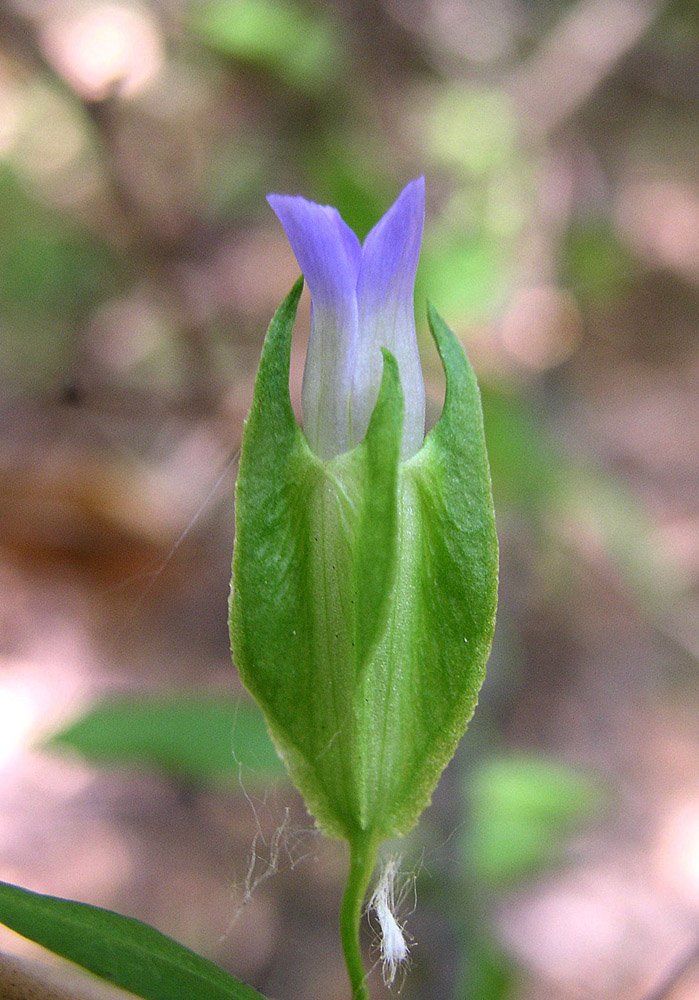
x=361 y=301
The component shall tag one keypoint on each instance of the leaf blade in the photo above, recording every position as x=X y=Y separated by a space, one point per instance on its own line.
x=119 y=949
x=192 y=736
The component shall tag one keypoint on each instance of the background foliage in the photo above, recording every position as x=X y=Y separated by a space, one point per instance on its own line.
x=139 y=267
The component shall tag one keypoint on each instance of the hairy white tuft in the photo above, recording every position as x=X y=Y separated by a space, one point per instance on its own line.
x=384 y=903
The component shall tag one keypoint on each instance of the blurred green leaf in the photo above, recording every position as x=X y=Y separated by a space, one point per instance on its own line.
x=613 y=514
x=595 y=264
x=343 y=173
x=194 y=737
x=239 y=175
x=124 y=951
x=467 y=276
x=521 y=810
x=488 y=973
x=45 y=265
x=526 y=472
x=472 y=127
x=301 y=48
x=51 y=274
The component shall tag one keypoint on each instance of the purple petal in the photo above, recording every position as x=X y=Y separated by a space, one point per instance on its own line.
x=385 y=293
x=329 y=255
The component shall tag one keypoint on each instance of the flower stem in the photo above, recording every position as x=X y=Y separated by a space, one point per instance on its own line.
x=363 y=851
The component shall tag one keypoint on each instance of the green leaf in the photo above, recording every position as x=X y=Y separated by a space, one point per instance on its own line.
x=124 y=951
x=364 y=593
x=489 y=974
x=280 y=37
x=469 y=273
x=192 y=736
x=50 y=273
x=527 y=471
x=521 y=810
x=474 y=128
x=597 y=265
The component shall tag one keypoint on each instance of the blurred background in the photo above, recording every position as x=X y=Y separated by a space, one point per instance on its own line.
x=139 y=267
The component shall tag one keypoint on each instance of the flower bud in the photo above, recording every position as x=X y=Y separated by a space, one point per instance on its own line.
x=365 y=563
x=361 y=301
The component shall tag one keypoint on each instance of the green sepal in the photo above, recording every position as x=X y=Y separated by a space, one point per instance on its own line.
x=421 y=688
x=364 y=591
x=313 y=561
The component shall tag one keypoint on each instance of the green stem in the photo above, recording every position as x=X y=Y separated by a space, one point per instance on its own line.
x=363 y=852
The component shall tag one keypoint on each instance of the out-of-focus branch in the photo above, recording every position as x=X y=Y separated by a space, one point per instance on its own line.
x=574 y=59
x=19 y=35
x=163 y=254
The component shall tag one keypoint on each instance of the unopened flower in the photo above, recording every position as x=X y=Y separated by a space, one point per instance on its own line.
x=362 y=300
x=365 y=563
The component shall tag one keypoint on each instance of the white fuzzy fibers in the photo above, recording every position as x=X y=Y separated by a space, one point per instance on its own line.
x=384 y=901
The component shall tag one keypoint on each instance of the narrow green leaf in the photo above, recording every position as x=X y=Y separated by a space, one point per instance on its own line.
x=192 y=736
x=121 y=950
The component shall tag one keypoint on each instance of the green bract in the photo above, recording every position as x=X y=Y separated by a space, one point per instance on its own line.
x=364 y=592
